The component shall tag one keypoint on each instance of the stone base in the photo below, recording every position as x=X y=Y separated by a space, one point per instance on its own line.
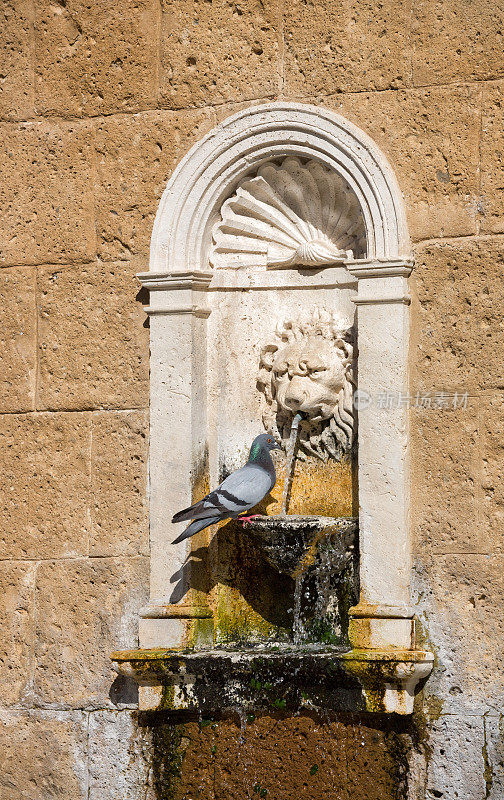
x=381 y=634
x=176 y=632
x=381 y=627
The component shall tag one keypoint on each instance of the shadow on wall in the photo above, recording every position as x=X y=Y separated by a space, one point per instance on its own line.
x=233 y=559
x=124 y=691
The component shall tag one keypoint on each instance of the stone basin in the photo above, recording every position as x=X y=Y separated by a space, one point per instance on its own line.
x=295 y=544
x=277 y=679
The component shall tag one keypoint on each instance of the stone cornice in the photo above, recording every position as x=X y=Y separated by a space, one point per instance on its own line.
x=382 y=681
x=383 y=611
x=382 y=268
x=197 y=311
x=370 y=300
x=169 y=281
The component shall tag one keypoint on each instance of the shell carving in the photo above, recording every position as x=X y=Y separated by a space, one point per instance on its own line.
x=289 y=214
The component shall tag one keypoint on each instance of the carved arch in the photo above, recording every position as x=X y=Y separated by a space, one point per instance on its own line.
x=214 y=167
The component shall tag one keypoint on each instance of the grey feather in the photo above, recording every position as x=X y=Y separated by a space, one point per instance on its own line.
x=239 y=492
x=195 y=526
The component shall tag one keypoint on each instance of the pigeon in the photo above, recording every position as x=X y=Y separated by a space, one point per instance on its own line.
x=239 y=492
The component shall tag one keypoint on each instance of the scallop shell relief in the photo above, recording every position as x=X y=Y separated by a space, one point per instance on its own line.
x=290 y=214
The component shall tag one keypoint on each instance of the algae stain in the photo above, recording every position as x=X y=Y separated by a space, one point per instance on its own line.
x=317 y=488
x=167 y=759
x=237 y=622
x=487 y=766
x=433 y=706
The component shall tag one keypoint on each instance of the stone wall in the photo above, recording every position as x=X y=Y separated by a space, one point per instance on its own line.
x=98 y=102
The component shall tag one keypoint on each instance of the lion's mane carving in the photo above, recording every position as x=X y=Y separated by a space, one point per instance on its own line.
x=310 y=369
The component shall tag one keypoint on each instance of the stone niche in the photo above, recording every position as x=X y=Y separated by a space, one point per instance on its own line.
x=278 y=283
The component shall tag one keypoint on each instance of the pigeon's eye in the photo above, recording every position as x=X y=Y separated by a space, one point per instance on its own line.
x=269 y=441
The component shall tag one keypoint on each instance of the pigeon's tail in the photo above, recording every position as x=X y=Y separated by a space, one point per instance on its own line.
x=188 y=513
x=194 y=527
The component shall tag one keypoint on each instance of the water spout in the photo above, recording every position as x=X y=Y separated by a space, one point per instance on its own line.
x=291 y=461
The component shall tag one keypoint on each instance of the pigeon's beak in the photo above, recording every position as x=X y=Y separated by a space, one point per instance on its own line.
x=276 y=446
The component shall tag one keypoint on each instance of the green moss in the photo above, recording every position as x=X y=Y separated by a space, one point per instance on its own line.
x=167 y=699
x=375 y=701
x=200 y=633
x=487 y=767
x=237 y=623
x=322 y=630
x=167 y=759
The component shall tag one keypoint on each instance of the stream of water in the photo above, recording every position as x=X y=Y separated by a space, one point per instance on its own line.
x=291 y=462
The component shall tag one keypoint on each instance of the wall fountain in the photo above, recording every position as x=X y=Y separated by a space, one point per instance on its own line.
x=278 y=286
x=307 y=380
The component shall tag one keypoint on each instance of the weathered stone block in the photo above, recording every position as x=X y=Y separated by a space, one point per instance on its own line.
x=85 y=609
x=44 y=755
x=491 y=500
x=46 y=192
x=135 y=156
x=17 y=82
x=459 y=603
x=16 y=623
x=445 y=481
x=119 y=484
x=17 y=339
x=431 y=137
x=44 y=461
x=457 y=327
x=453 y=41
x=492 y=159
x=96 y=58
x=455 y=766
x=336 y=46
x=218 y=52
x=93 y=347
x=494 y=756
x=119 y=757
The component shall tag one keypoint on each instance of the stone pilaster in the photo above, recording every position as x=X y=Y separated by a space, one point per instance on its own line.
x=178 y=311
x=383 y=617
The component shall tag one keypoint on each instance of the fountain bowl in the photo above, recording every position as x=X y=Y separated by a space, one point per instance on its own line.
x=294 y=544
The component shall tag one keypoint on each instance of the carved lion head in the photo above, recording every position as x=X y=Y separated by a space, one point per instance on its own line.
x=310 y=370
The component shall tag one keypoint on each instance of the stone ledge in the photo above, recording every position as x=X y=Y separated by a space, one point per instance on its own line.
x=282 y=678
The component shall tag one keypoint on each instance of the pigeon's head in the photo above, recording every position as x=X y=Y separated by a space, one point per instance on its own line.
x=261 y=443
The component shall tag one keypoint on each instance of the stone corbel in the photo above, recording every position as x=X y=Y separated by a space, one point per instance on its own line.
x=175 y=617
x=389 y=678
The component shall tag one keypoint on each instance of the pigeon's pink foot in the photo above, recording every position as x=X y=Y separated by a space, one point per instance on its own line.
x=247 y=519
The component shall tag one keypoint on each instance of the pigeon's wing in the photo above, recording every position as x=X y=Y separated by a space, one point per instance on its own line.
x=240 y=491
x=243 y=489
